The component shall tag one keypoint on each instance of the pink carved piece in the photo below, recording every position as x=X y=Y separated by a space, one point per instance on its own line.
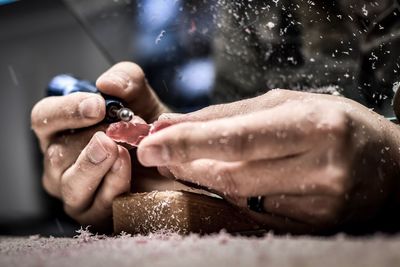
x=131 y=132
x=134 y=131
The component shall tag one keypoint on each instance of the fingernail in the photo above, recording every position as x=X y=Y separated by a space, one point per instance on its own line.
x=90 y=107
x=95 y=151
x=155 y=155
x=119 y=79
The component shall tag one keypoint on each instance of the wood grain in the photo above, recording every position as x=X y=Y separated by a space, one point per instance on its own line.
x=178 y=211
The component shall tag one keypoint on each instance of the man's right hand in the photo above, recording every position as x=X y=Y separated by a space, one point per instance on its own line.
x=82 y=166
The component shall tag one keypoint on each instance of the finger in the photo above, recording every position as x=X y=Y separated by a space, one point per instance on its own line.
x=283 y=131
x=116 y=182
x=62 y=152
x=127 y=81
x=209 y=113
x=265 y=101
x=299 y=175
x=317 y=210
x=268 y=100
x=55 y=114
x=79 y=182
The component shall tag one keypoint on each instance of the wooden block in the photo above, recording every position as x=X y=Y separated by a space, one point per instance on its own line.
x=178 y=211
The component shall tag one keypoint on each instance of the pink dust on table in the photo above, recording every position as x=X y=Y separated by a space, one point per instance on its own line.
x=134 y=131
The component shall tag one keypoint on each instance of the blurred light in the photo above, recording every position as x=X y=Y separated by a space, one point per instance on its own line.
x=157 y=13
x=4 y=2
x=147 y=47
x=195 y=78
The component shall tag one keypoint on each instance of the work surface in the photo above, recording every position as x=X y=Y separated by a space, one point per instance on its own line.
x=217 y=250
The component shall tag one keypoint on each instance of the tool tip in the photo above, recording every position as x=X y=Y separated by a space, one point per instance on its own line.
x=125 y=114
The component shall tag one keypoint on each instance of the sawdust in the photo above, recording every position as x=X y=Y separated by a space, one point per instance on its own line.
x=161 y=249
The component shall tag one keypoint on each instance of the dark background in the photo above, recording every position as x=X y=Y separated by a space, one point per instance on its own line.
x=38 y=39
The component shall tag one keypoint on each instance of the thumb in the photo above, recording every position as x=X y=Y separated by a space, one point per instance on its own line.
x=127 y=81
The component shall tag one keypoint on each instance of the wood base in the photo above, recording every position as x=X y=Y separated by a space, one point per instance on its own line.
x=178 y=211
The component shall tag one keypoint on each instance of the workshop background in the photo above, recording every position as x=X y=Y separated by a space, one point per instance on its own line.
x=43 y=38
x=172 y=40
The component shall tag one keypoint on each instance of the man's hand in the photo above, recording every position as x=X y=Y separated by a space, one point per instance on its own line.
x=127 y=81
x=82 y=166
x=320 y=161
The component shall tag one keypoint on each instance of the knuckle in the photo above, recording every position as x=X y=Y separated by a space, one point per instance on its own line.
x=182 y=148
x=279 y=96
x=340 y=123
x=137 y=72
x=54 y=155
x=337 y=180
x=235 y=145
x=133 y=70
x=71 y=110
x=334 y=122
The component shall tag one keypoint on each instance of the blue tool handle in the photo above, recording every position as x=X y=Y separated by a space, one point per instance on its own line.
x=65 y=84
